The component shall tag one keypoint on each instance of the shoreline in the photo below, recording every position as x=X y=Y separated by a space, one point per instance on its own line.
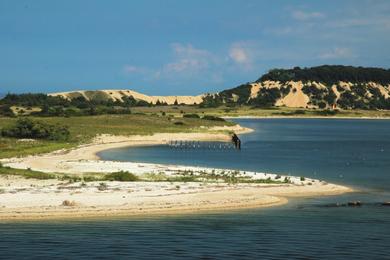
x=151 y=199
x=201 y=203
x=303 y=117
x=36 y=199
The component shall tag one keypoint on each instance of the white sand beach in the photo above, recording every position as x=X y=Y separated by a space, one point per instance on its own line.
x=33 y=199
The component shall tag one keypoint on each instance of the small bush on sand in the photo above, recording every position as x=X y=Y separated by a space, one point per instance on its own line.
x=68 y=203
x=102 y=186
x=121 y=176
x=89 y=178
x=191 y=116
x=303 y=178
x=213 y=118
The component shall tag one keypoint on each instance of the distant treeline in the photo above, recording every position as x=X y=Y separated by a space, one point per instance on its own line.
x=329 y=74
x=59 y=106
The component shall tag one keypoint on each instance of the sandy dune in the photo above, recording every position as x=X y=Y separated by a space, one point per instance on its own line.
x=115 y=94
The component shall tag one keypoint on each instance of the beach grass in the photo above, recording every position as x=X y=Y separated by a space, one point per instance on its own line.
x=229 y=177
x=84 y=128
x=26 y=173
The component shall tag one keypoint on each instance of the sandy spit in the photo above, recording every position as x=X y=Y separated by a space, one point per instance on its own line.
x=45 y=200
x=22 y=199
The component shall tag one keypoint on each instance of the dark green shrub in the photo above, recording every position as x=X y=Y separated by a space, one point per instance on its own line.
x=327 y=112
x=213 y=118
x=191 y=116
x=330 y=98
x=102 y=186
x=121 y=176
x=266 y=98
x=89 y=178
x=299 y=112
x=321 y=104
x=27 y=128
x=6 y=110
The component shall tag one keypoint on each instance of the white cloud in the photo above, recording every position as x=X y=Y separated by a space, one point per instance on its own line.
x=375 y=22
x=242 y=54
x=337 y=53
x=239 y=55
x=188 y=50
x=185 y=65
x=130 y=69
x=187 y=60
x=304 y=16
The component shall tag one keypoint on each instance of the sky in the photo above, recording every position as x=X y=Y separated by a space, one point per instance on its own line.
x=181 y=47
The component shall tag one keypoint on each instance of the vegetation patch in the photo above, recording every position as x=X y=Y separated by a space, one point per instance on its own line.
x=121 y=176
x=266 y=98
x=213 y=118
x=82 y=129
x=28 y=174
x=27 y=128
x=329 y=74
x=191 y=116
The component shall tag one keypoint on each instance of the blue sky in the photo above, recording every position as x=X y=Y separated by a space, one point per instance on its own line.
x=181 y=47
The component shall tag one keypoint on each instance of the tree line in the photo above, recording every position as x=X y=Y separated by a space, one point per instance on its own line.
x=329 y=74
x=59 y=106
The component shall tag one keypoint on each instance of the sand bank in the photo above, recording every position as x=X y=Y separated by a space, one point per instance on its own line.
x=42 y=200
x=37 y=199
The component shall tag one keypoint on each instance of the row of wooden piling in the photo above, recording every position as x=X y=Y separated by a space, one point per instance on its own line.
x=186 y=144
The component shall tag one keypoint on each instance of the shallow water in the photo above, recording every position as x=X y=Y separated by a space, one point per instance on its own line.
x=352 y=152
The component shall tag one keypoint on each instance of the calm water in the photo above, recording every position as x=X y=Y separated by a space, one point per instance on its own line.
x=352 y=152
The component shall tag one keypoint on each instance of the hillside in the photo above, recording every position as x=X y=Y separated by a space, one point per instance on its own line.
x=122 y=95
x=326 y=86
x=344 y=87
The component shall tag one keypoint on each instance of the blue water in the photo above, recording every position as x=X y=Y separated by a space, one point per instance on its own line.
x=351 y=152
